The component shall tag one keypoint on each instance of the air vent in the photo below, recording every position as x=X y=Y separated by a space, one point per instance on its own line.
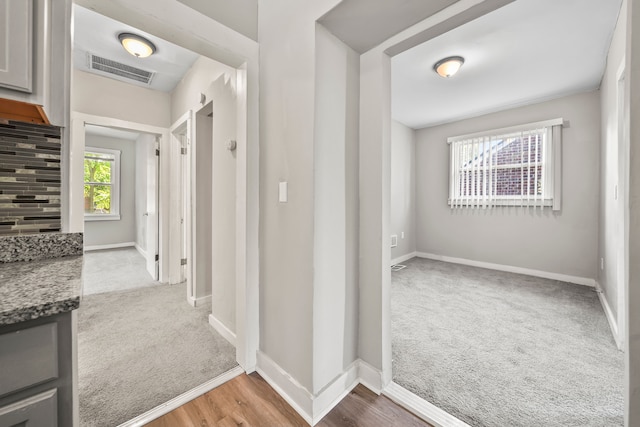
x=119 y=69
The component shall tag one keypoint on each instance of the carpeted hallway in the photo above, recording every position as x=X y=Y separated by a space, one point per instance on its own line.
x=139 y=348
x=499 y=349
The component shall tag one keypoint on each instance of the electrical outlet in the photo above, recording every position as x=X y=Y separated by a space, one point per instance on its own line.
x=601 y=263
x=402 y=235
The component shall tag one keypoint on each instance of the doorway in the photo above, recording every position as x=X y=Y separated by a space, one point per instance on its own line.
x=121 y=214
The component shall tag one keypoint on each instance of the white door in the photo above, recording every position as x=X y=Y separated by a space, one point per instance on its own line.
x=151 y=213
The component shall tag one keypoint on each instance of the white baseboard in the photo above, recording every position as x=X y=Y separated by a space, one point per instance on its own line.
x=222 y=330
x=286 y=386
x=585 y=281
x=109 y=246
x=421 y=408
x=370 y=377
x=176 y=402
x=403 y=258
x=197 y=302
x=141 y=251
x=314 y=408
x=613 y=323
x=334 y=392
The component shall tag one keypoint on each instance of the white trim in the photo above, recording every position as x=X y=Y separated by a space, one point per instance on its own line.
x=370 y=377
x=197 y=302
x=585 y=281
x=613 y=324
x=178 y=401
x=109 y=246
x=421 y=408
x=286 y=386
x=220 y=327
x=141 y=251
x=508 y=130
x=102 y=217
x=314 y=408
x=76 y=185
x=403 y=258
x=334 y=392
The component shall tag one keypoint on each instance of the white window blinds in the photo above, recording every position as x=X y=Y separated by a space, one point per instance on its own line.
x=517 y=166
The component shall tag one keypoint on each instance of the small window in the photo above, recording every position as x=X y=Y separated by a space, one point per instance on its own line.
x=101 y=184
x=518 y=166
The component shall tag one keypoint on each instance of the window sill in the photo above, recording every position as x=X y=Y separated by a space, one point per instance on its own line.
x=500 y=203
x=109 y=217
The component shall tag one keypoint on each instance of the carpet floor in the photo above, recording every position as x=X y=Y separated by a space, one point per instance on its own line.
x=499 y=349
x=138 y=349
x=112 y=270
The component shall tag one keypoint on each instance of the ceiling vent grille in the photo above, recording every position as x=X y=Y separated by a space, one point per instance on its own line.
x=119 y=69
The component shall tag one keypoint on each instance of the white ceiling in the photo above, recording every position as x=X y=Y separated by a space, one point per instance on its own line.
x=364 y=24
x=111 y=132
x=97 y=34
x=524 y=52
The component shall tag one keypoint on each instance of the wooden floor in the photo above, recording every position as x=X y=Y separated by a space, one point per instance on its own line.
x=248 y=400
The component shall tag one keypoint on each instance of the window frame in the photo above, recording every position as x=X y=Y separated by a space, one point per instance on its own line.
x=114 y=215
x=550 y=161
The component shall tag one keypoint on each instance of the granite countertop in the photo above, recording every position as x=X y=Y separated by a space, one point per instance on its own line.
x=33 y=289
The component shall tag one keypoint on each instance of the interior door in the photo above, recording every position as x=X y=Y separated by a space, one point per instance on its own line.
x=151 y=213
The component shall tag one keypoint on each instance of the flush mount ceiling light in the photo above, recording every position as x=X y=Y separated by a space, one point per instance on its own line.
x=447 y=67
x=136 y=45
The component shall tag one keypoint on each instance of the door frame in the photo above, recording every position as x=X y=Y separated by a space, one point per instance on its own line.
x=181 y=208
x=76 y=185
x=622 y=206
x=186 y=27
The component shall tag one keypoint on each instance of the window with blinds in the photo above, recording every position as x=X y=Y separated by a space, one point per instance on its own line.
x=516 y=166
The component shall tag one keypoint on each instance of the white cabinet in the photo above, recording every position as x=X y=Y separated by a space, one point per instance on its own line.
x=16 y=44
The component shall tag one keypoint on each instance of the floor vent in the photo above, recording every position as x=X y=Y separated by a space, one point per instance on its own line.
x=119 y=69
x=397 y=267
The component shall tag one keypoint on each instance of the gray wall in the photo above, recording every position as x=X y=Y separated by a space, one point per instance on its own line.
x=335 y=208
x=632 y=109
x=403 y=188
x=287 y=113
x=203 y=193
x=562 y=242
x=123 y=230
x=223 y=213
x=609 y=234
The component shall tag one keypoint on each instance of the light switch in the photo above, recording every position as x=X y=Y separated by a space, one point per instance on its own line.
x=283 y=192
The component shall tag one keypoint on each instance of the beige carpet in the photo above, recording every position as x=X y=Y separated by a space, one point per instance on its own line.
x=499 y=349
x=138 y=349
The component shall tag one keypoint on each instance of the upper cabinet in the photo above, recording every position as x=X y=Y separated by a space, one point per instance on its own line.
x=16 y=45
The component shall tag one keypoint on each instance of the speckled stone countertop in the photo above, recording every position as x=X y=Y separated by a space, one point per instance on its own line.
x=33 y=289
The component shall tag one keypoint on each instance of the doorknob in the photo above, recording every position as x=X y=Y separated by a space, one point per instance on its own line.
x=145 y=214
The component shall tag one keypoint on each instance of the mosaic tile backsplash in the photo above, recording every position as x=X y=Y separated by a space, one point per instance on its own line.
x=29 y=178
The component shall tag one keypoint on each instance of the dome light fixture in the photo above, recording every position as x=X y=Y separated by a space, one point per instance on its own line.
x=447 y=67
x=136 y=45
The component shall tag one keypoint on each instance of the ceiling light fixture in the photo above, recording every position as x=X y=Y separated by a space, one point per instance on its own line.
x=447 y=67
x=136 y=45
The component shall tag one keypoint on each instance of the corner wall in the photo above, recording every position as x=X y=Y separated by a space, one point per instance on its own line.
x=608 y=235
x=197 y=80
x=562 y=242
x=403 y=189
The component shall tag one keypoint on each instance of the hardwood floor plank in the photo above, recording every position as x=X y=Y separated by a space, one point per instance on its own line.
x=248 y=401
